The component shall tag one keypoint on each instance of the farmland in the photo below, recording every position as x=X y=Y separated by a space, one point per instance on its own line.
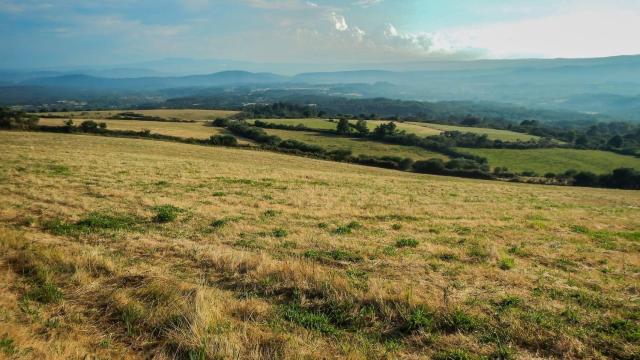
x=166 y=114
x=493 y=134
x=357 y=146
x=418 y=128
x=140 y=248
x=196 y=130
x=542 y=161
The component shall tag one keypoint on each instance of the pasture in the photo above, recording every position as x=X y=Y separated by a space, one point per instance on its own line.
x=358 y=146
x=554 y=160
x=141 y=248
x=166 y=114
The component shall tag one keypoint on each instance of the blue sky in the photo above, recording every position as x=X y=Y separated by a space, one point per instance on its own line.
x=49 y=33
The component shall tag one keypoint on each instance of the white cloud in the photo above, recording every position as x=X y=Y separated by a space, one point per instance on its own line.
x=367 y=3
x=339 y=22
x=587 y=33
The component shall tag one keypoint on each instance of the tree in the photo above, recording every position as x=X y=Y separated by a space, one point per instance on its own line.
x=343 y=127
x=616 y=142
x=361 y=127
x=585 y=178
x=10 y=119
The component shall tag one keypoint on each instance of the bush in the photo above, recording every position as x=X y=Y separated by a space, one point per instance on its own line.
x=224 y=140
x=166 y=213
x=220 y=122
x=299 y=145
x=19 y=120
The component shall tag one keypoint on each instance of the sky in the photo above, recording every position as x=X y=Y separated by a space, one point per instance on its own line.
x=55 y=33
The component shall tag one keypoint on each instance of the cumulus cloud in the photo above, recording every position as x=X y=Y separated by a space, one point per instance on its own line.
x=339 y=22
x=367 y=3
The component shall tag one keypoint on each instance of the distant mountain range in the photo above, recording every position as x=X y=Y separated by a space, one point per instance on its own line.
x=602 y=85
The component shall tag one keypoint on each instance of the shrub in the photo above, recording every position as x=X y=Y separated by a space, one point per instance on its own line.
x=224 y=140
x=299 y=145
x=10 y=119
x=166 y=213
x=220 y=122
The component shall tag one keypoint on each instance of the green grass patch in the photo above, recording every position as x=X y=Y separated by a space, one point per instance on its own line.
x=94 y=222
x=310 y=320
x=46 y=293
x=543 y=161
x=333 y=255
x=280 y=233
x=7 y=345
x=407 y=242
x=166 y=214
x=347 y=229
x=506 y=263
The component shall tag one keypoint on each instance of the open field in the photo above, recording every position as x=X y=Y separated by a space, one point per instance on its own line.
x=319 y=124
x=357 y=146
x=167 y=114
x=195 y=130
x=418 y=128
x=556 y=160
x=493 y=134
x=141 y=248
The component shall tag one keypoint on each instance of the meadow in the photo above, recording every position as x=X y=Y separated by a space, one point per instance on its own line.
x=166 y=114
x=196 y=130
x=418 y=128
x=358 y=146
x=493 y=134
x=557 y=160
x=141 y=248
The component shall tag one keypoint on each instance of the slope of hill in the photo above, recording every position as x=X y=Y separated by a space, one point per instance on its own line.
x=139 y=248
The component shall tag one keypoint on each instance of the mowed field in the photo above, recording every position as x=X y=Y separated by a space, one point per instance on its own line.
x=357 y=146
x=142 y=248
x=167 y=114
x=556 y=160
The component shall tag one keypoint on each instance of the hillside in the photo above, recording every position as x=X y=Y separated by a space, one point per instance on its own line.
x=137 y=248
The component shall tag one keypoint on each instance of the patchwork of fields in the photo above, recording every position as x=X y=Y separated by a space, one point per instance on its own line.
x=542 y=161
x=167 y=114
x=196 y=130
x=145 y=248
x=357 y=146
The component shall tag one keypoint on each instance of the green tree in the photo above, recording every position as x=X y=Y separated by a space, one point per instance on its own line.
x=343 y=127
x=361 y=127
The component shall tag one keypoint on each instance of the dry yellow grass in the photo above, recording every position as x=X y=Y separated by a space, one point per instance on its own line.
x=196 y=130
x=274 y=256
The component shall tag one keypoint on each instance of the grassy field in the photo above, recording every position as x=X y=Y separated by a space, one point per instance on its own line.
x=493 y=134
x=556 y=160
x=140 y=249
x=357 y=146
x=418 y=128
x=196 y=130
x=320 y=124
x=167 y=114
